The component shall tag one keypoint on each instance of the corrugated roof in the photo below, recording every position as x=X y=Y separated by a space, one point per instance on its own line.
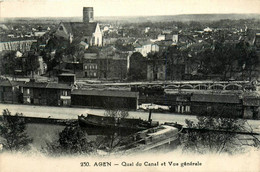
x=67 y=74
x=34 y=84
x=251 y=101
x=52 y=85
x=106 y=93
x=58 y=86
x=144 y=42
x=214 y=98
x=90 y=56
x=8 y=83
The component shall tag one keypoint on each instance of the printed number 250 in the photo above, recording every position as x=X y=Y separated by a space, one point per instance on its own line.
x=84 y=164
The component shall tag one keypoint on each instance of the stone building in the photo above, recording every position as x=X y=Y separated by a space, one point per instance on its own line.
x=108 y=64
x=156 y=70
x=87 y=31
x=9 y=92
x=43 y=93
x=90 y=65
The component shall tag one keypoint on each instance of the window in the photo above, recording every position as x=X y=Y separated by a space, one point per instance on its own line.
x=28 y=100
x=97 y=41
x=64 y=93
x=28 y=91
x=86 y=67
x=65 y=102
x=94 y=74
x=61 y=28
x=93 y=41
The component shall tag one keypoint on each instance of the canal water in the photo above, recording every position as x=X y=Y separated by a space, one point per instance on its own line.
x=43 y=133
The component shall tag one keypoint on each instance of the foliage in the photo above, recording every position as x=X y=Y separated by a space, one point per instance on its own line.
x=109 y=142
x=176 y=60
x=13 y=131
x=224 y=59
x=207 y=136
x=248 y=60
x=114 y=137
x=9 y=63
x=32 y=62
x=155 y=60
x=137 y=69
x=72 y=140
x=93 y=50
x=120 y=45
x=116 y=113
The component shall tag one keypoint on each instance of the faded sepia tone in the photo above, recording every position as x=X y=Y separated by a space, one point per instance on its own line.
x=123 y=85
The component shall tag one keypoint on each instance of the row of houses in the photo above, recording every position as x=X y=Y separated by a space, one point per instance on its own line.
x=113 y=66
x=15 y=45
x=64 y=93
x=215 y=104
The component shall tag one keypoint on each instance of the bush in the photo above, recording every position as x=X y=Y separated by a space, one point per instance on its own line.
x=213 y=134
x=13 y=132
x=72 y=140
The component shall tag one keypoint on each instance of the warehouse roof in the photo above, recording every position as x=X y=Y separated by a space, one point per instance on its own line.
x=106 y=93
x=215 y=98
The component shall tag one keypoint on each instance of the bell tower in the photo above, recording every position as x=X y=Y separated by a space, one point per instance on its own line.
x=88 y=14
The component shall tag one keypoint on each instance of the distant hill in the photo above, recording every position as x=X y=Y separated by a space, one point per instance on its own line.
x=183 y=18
x=139 y=19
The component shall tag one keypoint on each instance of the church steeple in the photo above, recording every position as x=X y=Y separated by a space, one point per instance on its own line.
x=88 y=14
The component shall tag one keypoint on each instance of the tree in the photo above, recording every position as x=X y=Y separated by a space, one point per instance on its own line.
x=248 y=60
x=214 y=134
x=227 y=58
x=137 y=70
x=175 y=60
x=13 y=131
x=196 y=25
x=9 y=63
x=116 y=113
x=114 y=137
x=32 y=63
x=120 y=45
x=155 y=60
x=72 y=140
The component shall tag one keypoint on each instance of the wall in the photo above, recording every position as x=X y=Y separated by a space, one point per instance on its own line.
x=155 y=74
x=23 y=45
x=103 y=101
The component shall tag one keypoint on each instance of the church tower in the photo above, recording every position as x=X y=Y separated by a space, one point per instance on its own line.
x=88 y=14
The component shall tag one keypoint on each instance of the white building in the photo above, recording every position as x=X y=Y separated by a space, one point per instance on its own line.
x=145 y=47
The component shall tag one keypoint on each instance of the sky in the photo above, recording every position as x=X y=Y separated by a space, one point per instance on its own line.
x=73 y=8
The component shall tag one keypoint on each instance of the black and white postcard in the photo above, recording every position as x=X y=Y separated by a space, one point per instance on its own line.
x=129 y=85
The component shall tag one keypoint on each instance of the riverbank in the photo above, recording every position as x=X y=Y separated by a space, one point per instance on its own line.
x=72 y=113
